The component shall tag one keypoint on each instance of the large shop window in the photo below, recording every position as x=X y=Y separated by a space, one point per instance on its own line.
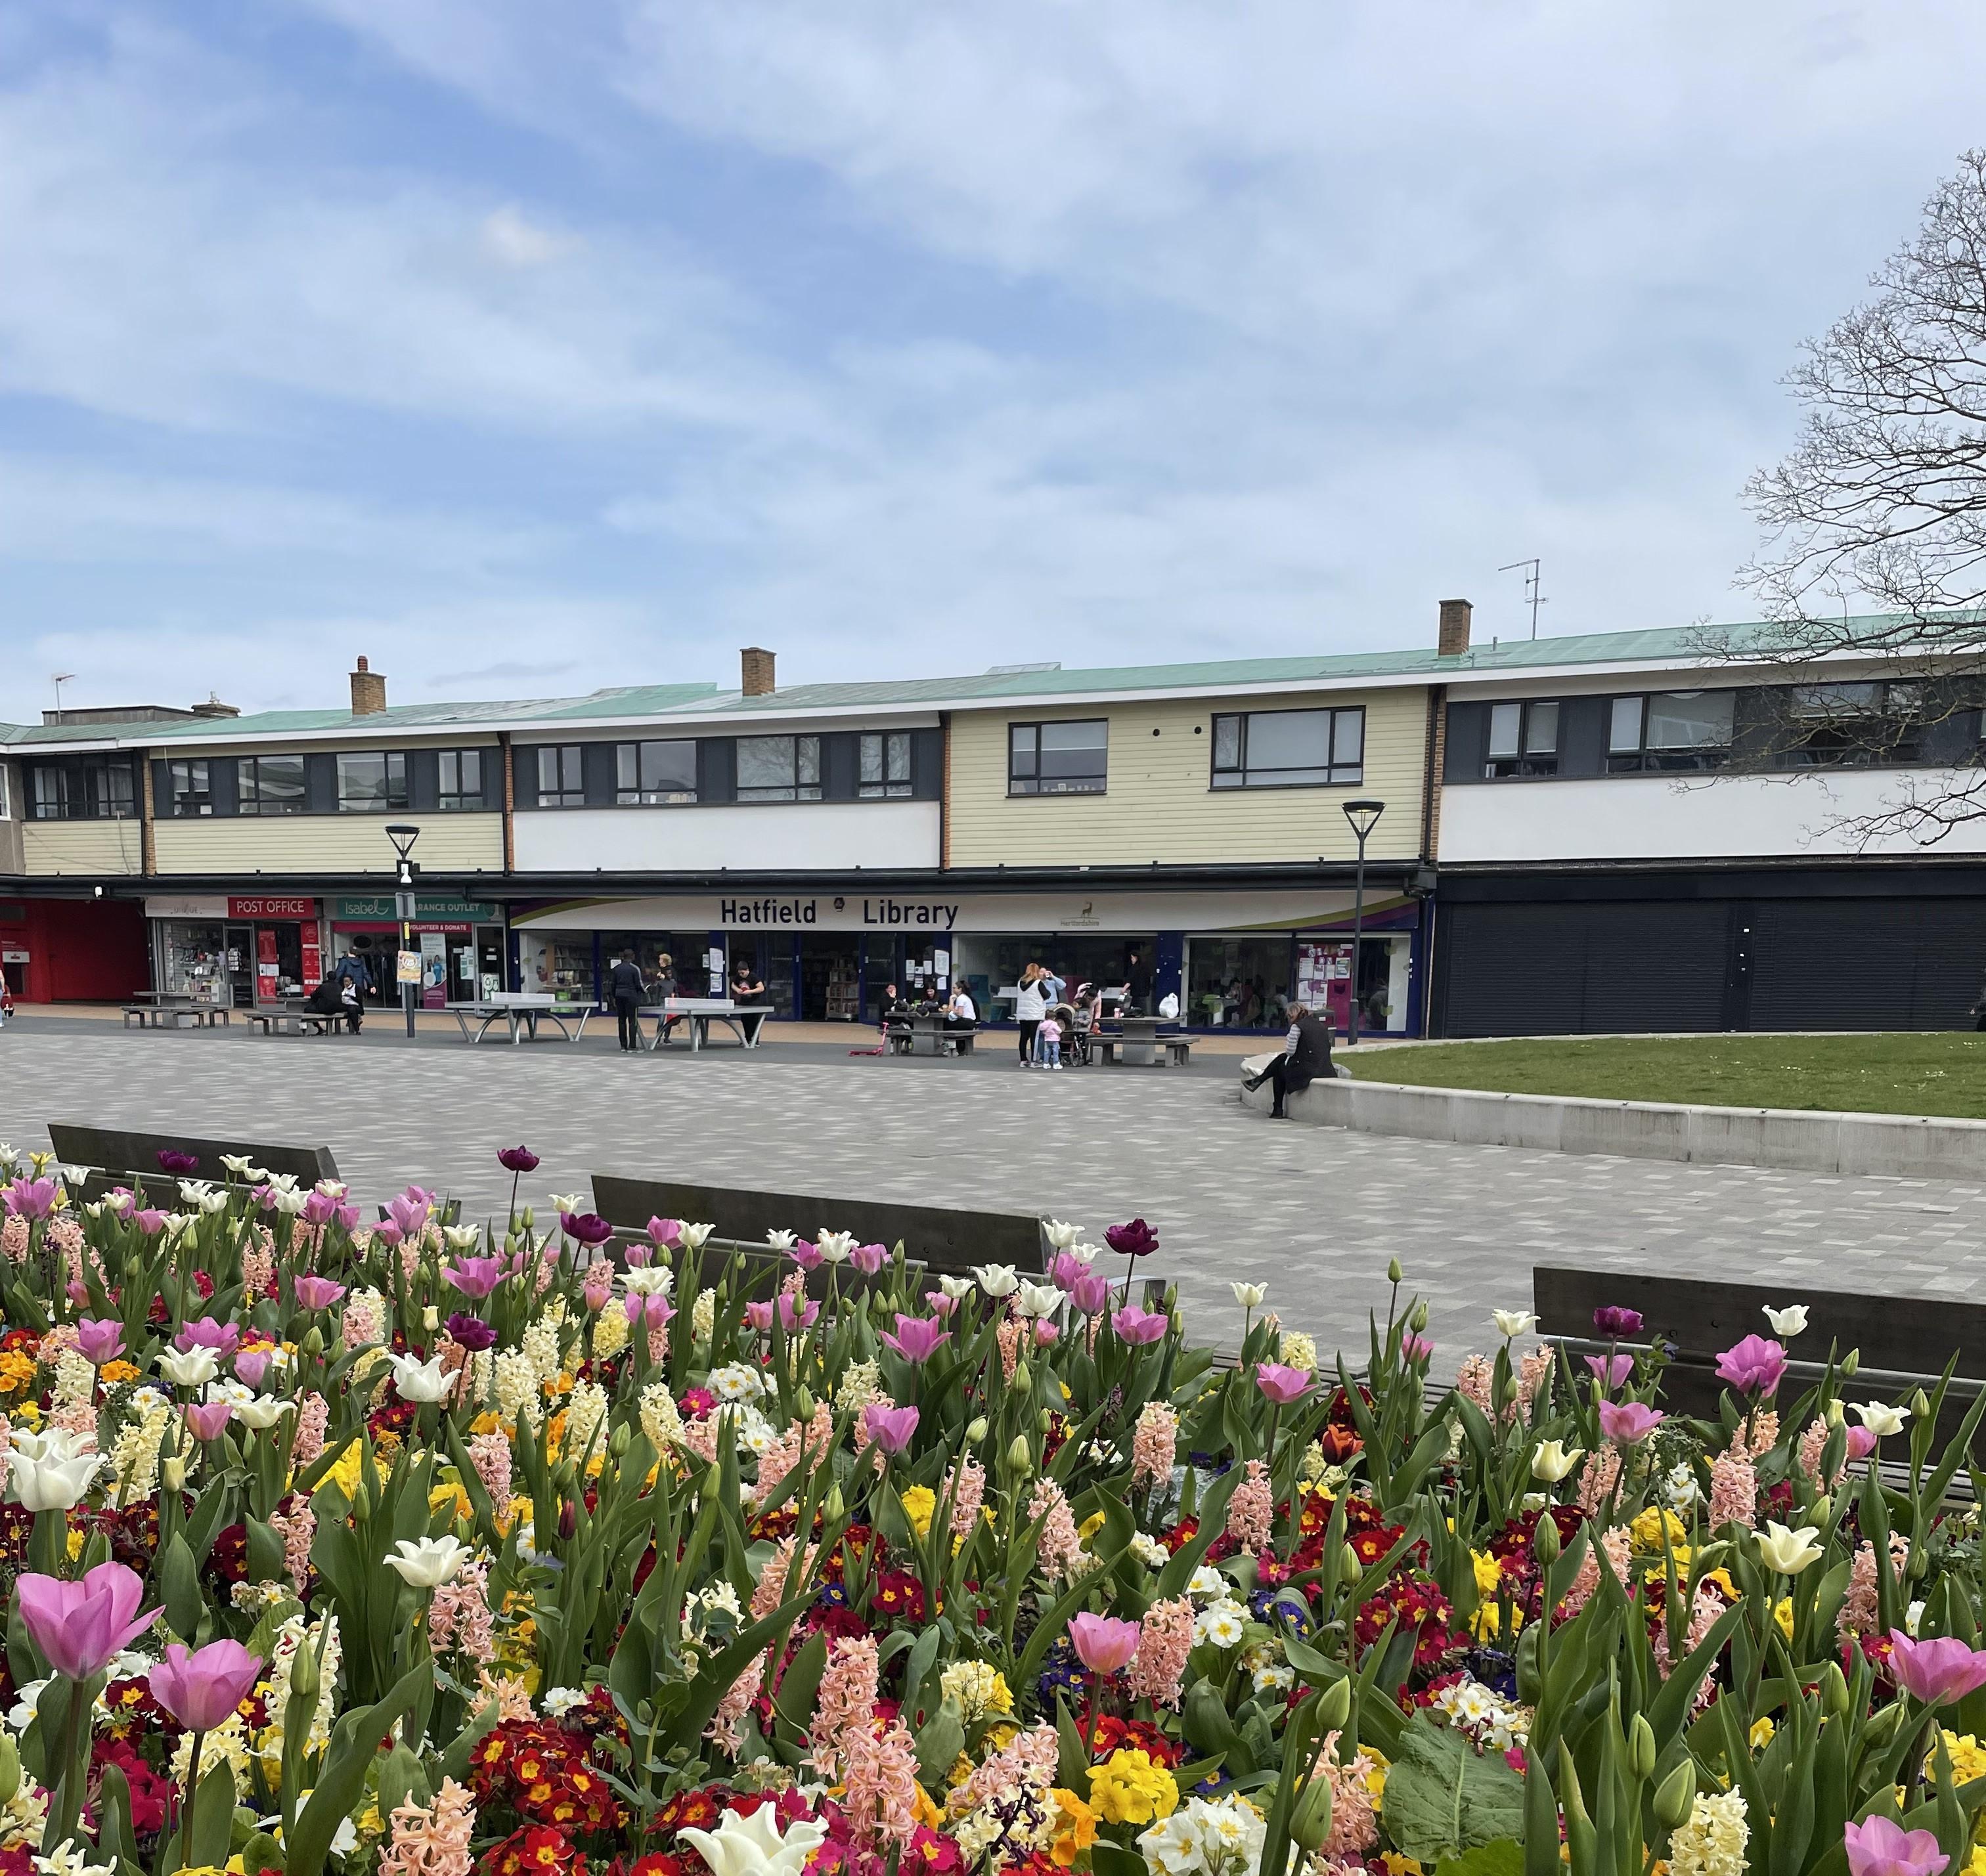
x=653 y=775
x=1289 y=749
x=1670 y=730
x=885 y=765
x=778 y=769
x=271 y=784
x=374 y=783
x=83 y=788
x=562 y=777
x=1523 y=741
x=1058 y=758
x=461 y=778
x=188 y=793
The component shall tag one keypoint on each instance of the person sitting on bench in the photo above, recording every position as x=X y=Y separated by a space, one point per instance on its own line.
x=1306 y=1055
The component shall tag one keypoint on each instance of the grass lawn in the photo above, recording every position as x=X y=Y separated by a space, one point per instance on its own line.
x=1912 y=1073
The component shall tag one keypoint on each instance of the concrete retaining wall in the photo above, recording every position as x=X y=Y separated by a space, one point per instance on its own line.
x=1894 y=1145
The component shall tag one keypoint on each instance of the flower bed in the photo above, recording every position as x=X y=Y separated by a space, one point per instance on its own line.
x=418 y=1548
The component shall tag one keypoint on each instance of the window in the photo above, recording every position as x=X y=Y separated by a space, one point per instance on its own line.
x=1670 y=730
x=885 y=765
x=561 y=780
x=1523 y=740
x=461 y=787
x=778 y=769
x=1058 y=758
x=1848 y=725
x=6 y=793
x=373 y=783
x=272 y=784
x=85 y=788
x=654 y=774
x=1289 y=749
x=186 y=787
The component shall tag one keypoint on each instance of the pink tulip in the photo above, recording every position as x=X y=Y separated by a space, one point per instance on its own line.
x=151 y=1221
x=1880 y=1846
x=222 y=1338
x=1281 y=1384
x=410 y=1210
x=28 y=1198
x=319 y=1209
x=654 y=1310
x=1861 y=1442
x=208 y=1419
x=99 y=1339
x=665 y=1234
x=251 y=1364
x=1046 y=1333
x=1753 y=1366
x=1611 y=1370
x=1626 y=1422
x=639 y=1256
x=1416 y=1348
x=598 y=1286
x=868 y=1257
x=807 y=1255
x=1935 y=1672
x=200 y=1689
x=1091 y=1294
x=918 y=1338
x=317 y=1293
x=474 y=1277
x=889 y=1428
x=387 y=1233
x=1139 y=1327
x=1068 y=1270
x=938 y=1302
x=79 y=1626
x=1103 y=1644
x=758 y=1316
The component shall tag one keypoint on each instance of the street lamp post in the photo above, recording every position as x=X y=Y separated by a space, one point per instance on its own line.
x=1364 y=816
x=403 y=837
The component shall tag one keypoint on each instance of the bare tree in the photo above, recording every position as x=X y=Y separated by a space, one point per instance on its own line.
x=1875 y=522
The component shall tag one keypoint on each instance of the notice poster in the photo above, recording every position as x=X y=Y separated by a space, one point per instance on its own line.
x=313 y=960
x=434 y=970
x=407 y=968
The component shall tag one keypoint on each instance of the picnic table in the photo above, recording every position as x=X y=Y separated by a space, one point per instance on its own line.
x=744 y=1021
x=1140 y=1038
x=520 y=1011
x=292 y=1016
x=928 y=1033
x=164 y=1009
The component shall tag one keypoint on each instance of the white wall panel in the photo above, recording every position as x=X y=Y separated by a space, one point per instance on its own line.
x=756 y=837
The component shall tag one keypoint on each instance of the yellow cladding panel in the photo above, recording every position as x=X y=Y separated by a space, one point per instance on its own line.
x=87 y=847
x=309 y=843
x=1158 y=804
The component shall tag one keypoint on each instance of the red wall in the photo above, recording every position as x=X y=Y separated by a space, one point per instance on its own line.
x=79 y=950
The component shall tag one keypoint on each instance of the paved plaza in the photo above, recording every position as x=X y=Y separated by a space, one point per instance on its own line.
x=1313 y=1212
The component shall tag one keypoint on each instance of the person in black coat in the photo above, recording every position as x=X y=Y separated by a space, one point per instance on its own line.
x=624 y=986
x=1306 y=1057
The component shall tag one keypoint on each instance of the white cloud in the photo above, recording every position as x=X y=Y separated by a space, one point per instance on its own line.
x=513 y=238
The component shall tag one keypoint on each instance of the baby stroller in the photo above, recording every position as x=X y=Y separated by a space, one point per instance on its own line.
x=1079 y=1027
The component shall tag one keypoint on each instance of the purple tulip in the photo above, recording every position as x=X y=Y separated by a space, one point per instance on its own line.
x=518 y=1159
x=251 y=1364
x=317 y=1293
x=1753 y=1366
x=1613 y=1322
x=586 y=1227
x=1282 y=1384
x=889 y=1428
x=1880 y=1846
x=918 y=1338
x=1627 y=1422
x=474 y=1277
x=202 y=1689
x=28 y=1198
x=222 y=1338
x=868 y=1257
x=208 y=1419
x=1138 y=1325
x=181 y=1165
x=1610 y=1369
x=99 y=1339
x=471 y=1332
x=1935 y=1672
x=1134 y=1238
x=79 y=1626
x=1103 y=1644
x=1091 y=1294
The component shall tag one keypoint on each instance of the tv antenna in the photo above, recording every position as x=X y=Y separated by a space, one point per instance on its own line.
x=59 y=679
x=1531 y=593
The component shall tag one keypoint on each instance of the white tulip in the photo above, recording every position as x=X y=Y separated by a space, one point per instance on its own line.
x=426 y=1563
x=1037 y=1299
x=1085 y=1253
x=1061 y=1235
x=1249 y=1296
x=193 y=1190
x=1553 y=1460
x=290 y=1203
x=420 y=1380
x=461 y=1237
x=213 y=1203
x=957 y=1288
x=693 y=1235
x=1511 y=1323
x=261 y=1412
x=754 y=1846
x=237 y=1163
x=121 y=1202
x=648 y=1280
x=997 y=1279
x=1882 y=1420
x=782 y=1240
x=188 y=1367
x=570 y=1201
x=1787 y=1322
x=48 y=1470
x=835 y=1246
x=1787 y=1551
x=276 y=1181
x=331 y=1188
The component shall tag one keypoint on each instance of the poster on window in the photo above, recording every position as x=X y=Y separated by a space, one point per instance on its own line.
x=434 y=970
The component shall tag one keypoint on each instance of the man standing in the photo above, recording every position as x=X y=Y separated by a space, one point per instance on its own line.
x=623 y=991
x=354 y=969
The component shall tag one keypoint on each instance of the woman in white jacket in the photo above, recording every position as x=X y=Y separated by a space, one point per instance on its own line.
x=1030 y=1004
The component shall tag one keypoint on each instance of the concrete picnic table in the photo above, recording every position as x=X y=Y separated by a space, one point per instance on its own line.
x=521 y=1011
x=744 y=1021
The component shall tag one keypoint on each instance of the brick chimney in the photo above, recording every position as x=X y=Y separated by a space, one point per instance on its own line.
x=757 y=665
x=1453 y=638
x=368 y=691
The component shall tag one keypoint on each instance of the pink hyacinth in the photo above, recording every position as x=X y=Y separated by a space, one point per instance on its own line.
x=1154 y=1443
x=723 y=1730
x=1935 y=1672
x=844 y=1704
x=970 y=1493
x=298 y=1528
x=460 y=1619
x=489 y=1453
x=1281 y=1384
x=1597 y=1477
x=1753 y=1366
x=431 y=1840
x=780 y=1569
x=1059 y=1549
x=202 y=1689
x=1103 y=1643
x=1881 y=1846
x=1475 y=1380
x=1165 y=1640
x=79 y=1626
x=1627 y=1422
x=1252 y=1508
x=1733 y=1491
x=880 y=1788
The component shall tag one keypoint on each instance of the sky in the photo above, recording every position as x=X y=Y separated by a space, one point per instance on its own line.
x=529 y=348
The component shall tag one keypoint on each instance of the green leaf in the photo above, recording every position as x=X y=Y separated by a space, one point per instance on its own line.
x=354 y=1743
x=939 y=1741
x=1502 y=1856
x=1109 y=1859
x=1442 y=1797
x=213 y=1812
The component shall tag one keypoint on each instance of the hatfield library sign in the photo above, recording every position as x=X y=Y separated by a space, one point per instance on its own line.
x=988 y=912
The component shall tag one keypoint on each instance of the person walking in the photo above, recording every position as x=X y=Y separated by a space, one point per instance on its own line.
x=353 y=969
x=1306 y=1056
x=1138 y=980
x=624 y=986
x=1030 y=1006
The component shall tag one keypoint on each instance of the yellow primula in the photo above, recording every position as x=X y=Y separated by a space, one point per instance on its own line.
x=1075 y=1827
x=116 y=1373
x=1761 y=1736
x=1782 y=1614
x=348 y=1469
x=1089 y=1528
x=449 y=1496
x=1128 y=1788
x=1488 y=1572
x=1397 y=1865
x=1968 y=1756
x=920 y=1501
x=1647 y=1531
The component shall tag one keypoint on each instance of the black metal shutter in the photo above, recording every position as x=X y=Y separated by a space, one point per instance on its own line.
x=1867 y=963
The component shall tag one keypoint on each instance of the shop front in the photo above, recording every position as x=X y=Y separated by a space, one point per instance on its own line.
x=235 y=951
x=1234 y=961
x=461 y=942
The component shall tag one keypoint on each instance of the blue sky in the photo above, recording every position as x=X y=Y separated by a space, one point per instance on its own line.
x=528 y=348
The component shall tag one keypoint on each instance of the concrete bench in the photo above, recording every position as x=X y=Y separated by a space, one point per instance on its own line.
x=1179 y=1048
x=171 y=1016
x=295 y=1023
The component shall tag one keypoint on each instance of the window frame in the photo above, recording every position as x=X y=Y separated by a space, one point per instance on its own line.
x=389 y=800
x=1681 y=759
x=638 y=793
x=1526 y=764
x=459 y=800
x=1029 y=787
x=249 y=798
x=1237 y=777
x=885 y=786
x=85 y=789
x=802 y=746
x=568 y=792
x=198 y=786
x=1877 y=736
